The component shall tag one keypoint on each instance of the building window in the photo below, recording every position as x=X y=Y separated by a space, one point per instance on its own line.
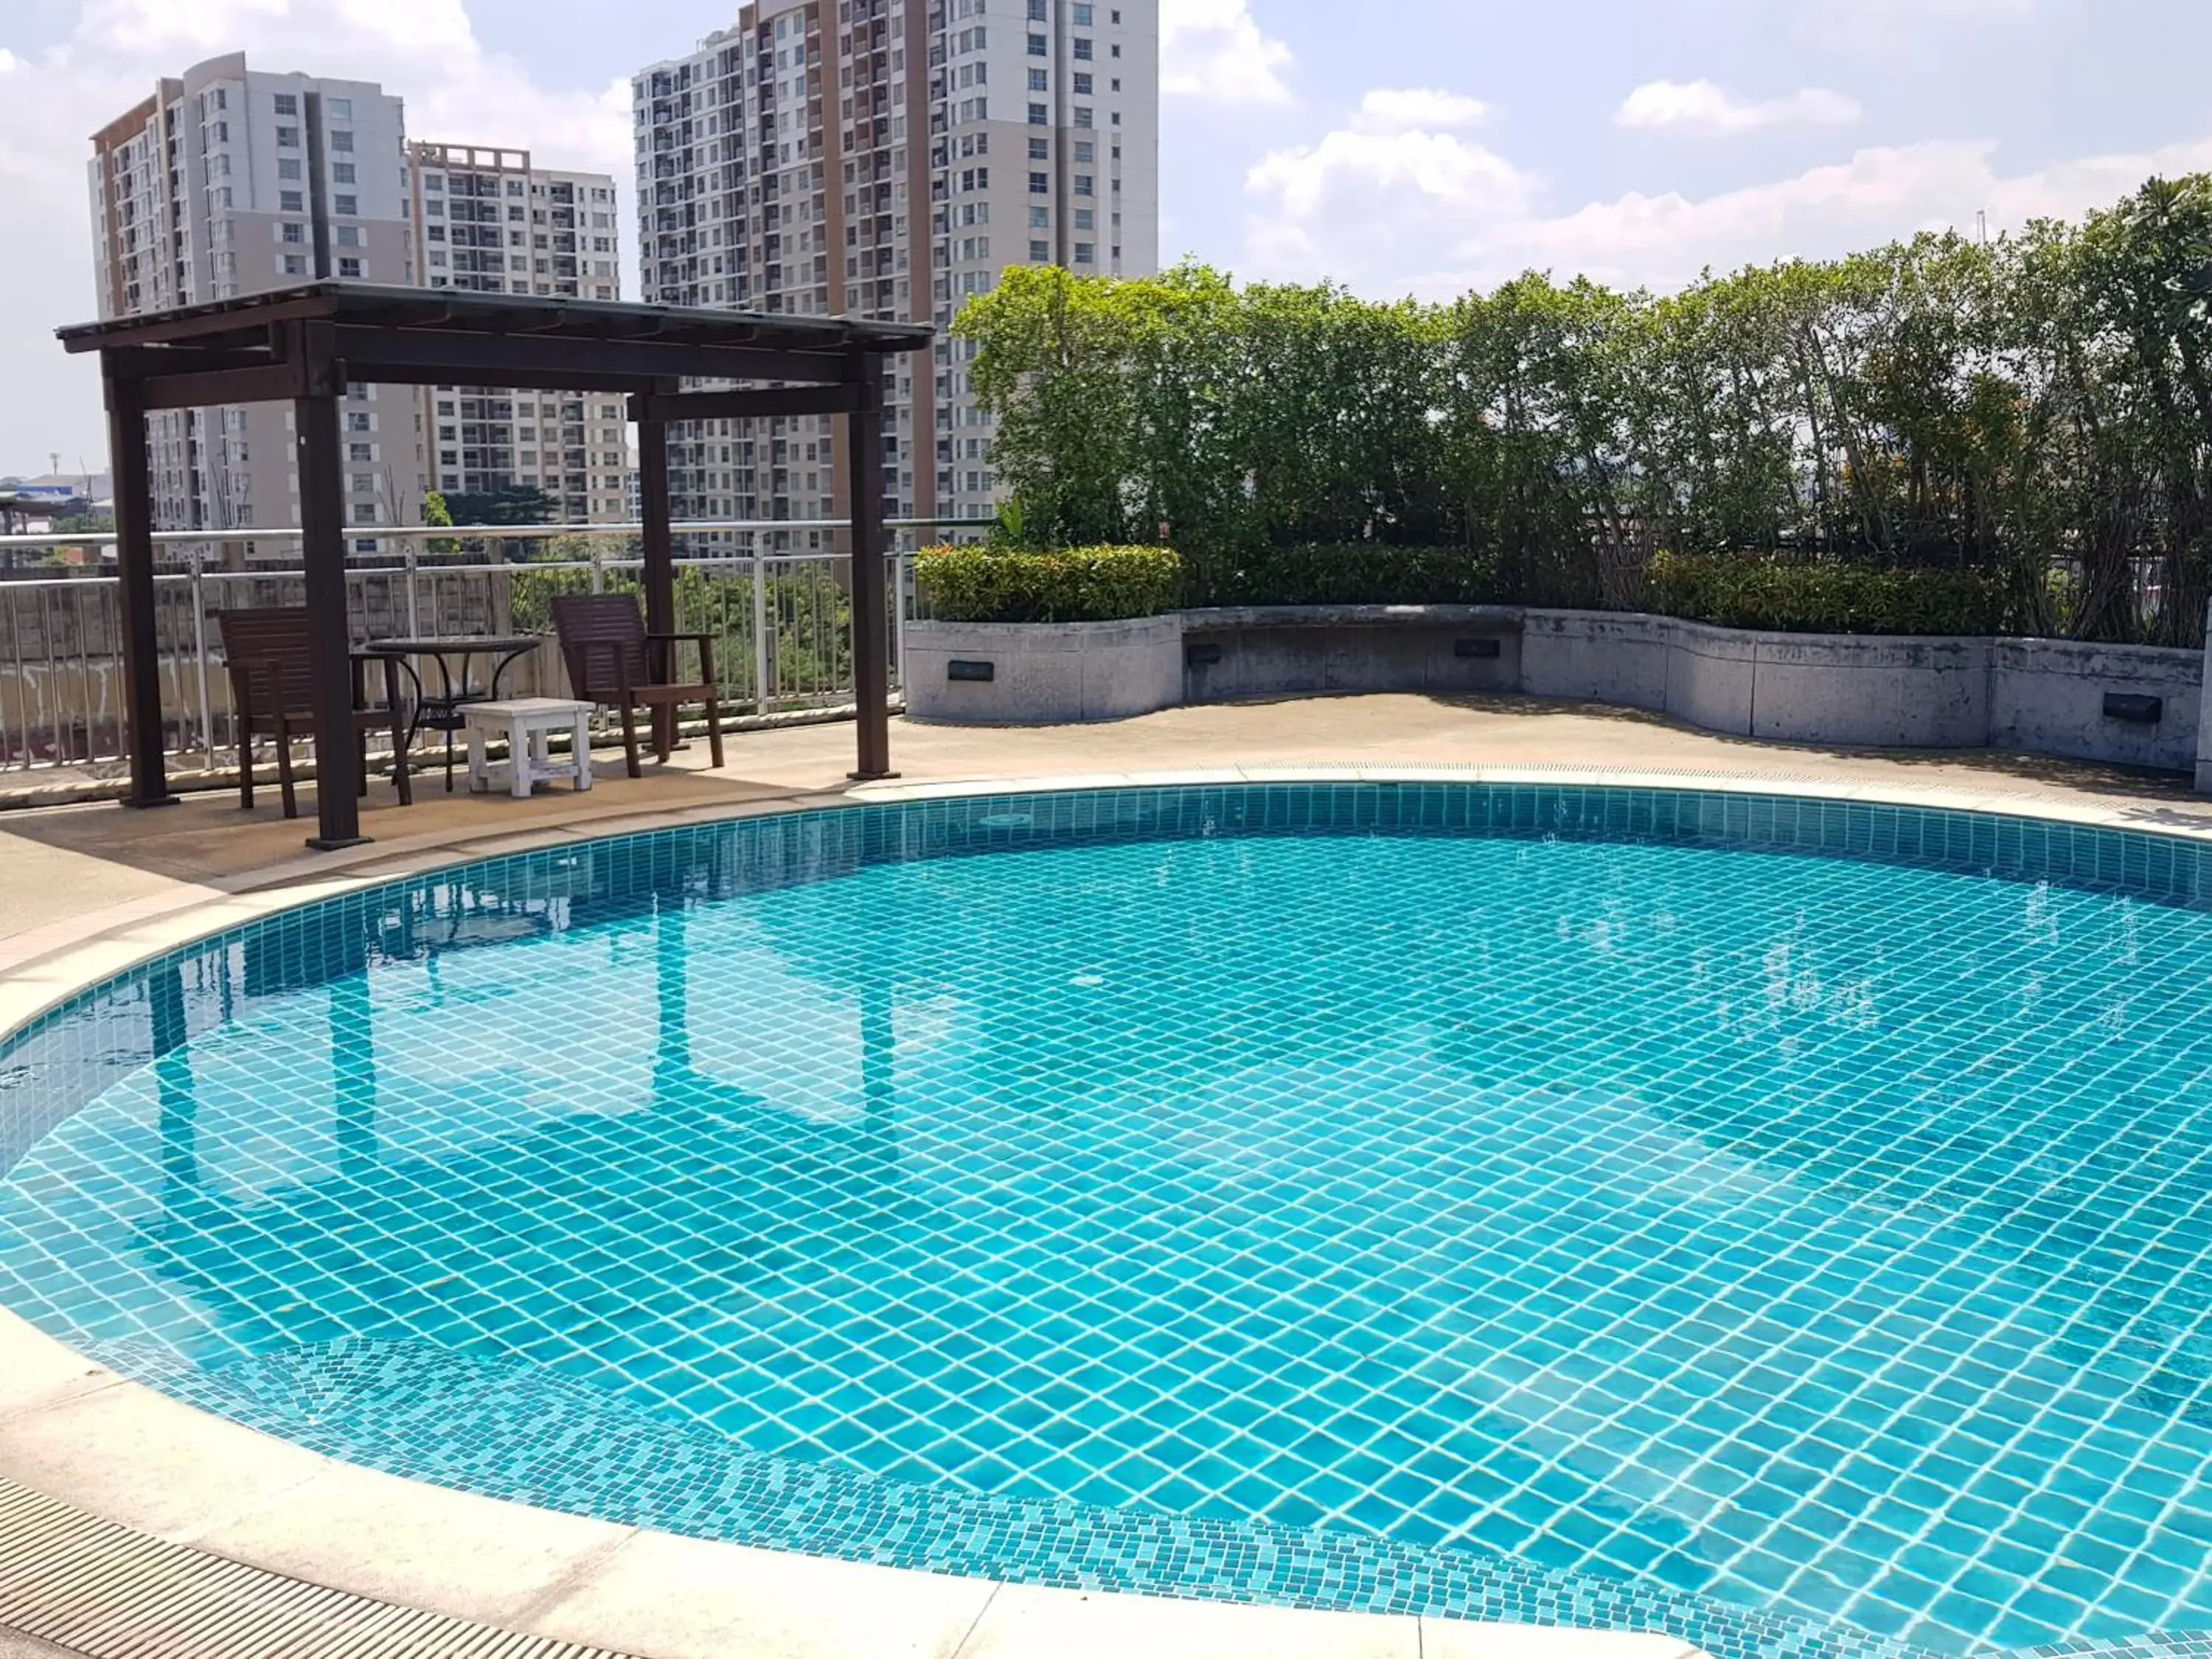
x=341 y=172
x=1040 y=116
x=1038 y=46
x=1085 y=150
x=1040 y=184
x=364 y=484
x=287 y=170
x=364 y=512
x=291 y=201
x=295 y=264
x=1083 y=115
x=435 y=183
x=1037 y=82
x=338 y=109
x=345 y=205
x=1040 y=253
x=1083 y=51
x=358 y=452
x=1082 y=183
x=291 y=231
x=1040 y=150
x=1083 y=253
x=1086 y=219
x=288 y=138
x=348 y=236
x=342 y=140
x=288 y=104
x=1039 y=218
x=1083 y=85
x=349 y=267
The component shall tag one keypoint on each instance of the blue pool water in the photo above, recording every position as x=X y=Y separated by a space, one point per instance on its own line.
x=1572 y=1202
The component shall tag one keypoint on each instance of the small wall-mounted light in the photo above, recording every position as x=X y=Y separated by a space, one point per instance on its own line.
x=2133 y=708
x=957 y=669
x=1476 y=648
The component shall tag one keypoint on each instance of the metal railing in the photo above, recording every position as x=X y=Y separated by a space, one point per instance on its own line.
x=781 y=618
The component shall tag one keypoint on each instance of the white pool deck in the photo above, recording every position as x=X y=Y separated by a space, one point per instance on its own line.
x=85 y=892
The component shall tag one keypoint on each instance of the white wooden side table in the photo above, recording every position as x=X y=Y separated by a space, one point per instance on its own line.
x=526 y=723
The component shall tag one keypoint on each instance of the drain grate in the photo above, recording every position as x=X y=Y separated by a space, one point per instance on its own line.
x=107 y=1592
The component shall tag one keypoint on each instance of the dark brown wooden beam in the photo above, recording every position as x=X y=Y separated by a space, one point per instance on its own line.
x=748 y=405
x=323 y=552
x=133 y=569
x=149 y=362
x=450 y=356
x=215 y=329
x=871 y=646
x=567 y=379
x=271 y=383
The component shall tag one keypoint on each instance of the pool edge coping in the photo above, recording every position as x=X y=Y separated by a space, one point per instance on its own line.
x=72 y=1406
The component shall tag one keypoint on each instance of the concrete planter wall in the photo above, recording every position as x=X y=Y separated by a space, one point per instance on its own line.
x=1275 y=651
x=2129 y=705
x=1042 y=673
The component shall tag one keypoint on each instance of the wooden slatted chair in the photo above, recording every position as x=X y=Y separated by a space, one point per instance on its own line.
x=613 y=660
x=270 y=656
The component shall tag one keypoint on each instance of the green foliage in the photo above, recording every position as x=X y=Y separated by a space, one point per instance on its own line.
x=1359 y=573
x=2036 y=410
x=1083 y=584
x=1793 y=595
x=436 y=511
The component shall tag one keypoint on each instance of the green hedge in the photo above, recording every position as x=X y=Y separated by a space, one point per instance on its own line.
x=1792 y=596
x=1355 y=572
x=1079 y=584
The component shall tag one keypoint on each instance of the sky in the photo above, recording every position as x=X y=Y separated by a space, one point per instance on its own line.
x=1397 y=147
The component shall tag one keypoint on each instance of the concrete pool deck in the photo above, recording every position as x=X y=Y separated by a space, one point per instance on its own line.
x=87 y=891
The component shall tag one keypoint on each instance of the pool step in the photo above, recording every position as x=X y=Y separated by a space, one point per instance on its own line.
x=106 y=1592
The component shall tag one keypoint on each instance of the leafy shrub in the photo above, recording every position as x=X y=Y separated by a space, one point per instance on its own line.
x=1078 y=584
x=1355 y=573
x=1792 y=596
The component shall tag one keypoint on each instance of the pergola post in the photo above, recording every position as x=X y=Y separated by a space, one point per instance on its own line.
x=659 y=541
x=134 y=588
x=872 y=684
x=322 y=552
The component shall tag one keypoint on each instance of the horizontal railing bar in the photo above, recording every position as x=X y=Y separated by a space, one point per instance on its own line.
x=479 y=531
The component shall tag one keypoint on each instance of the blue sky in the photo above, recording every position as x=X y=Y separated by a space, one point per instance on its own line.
x=1396 y=145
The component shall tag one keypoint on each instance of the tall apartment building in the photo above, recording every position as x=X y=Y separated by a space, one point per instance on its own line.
x=229 y=181
x=889 y=159
x=487 y=221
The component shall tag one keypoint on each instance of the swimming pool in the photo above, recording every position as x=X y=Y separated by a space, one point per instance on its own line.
x=1779 y=1222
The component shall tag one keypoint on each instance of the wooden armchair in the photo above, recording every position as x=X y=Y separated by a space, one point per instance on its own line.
x=271 y=657
x=613 y=660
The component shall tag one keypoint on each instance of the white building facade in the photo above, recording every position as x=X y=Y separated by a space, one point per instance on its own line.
x=487 y=221
x=226 y=182
x=887 y=158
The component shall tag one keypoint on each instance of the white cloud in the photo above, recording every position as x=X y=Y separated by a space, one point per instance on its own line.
x=1700 y=107
x=425 y=50
x=1417 y=108
x=1429 y=213
x=1366 y=201
x=1214 y=50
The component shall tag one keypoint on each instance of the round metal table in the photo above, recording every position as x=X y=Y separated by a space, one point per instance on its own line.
x=440 y=711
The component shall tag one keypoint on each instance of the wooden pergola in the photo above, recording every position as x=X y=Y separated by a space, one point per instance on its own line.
x=307 y=344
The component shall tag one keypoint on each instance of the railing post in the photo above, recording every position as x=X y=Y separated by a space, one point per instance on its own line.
x=414 y=603
x=195 y=586
x=761 y=655
x=902 y=575
x=599 y=566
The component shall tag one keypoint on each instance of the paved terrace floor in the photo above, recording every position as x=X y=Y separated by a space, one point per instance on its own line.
x=58 y=865
x=78 y=881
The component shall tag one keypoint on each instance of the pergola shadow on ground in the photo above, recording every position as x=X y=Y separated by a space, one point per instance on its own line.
x=308 y=345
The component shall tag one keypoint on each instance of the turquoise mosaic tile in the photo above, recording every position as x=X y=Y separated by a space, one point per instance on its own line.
x=1782 y=1223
